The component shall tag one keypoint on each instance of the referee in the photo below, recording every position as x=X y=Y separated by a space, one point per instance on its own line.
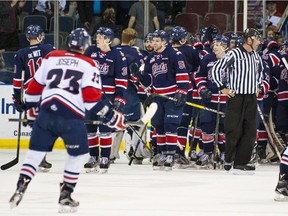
x=243 y=67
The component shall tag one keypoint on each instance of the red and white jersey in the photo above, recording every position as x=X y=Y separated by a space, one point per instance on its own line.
x=67 y=83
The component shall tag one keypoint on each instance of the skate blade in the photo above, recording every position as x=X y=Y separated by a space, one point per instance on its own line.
x=103 y=171
x=66 y=209
x=158 y=168
x=280 y=197
x=91 y=170
x=182 y=166
x=43 y=169
x=168 y=169
x=243 y=172
x=208 y=166
x=15 y=200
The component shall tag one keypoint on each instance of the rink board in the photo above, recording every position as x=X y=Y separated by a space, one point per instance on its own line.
x=9 y=130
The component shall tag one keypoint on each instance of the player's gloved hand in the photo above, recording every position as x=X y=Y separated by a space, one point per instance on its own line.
x=115 y=119
x=135 y=74
x=180 y=95
x=19 y=106
x=118 y=103
x=205 y=94
x=262 y=90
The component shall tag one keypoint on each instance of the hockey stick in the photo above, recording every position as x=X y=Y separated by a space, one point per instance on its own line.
x=190 y=104
x=278 y=138
x=144 y=120
x=194 y=124
x=270 y=135
x=15 y=161
x=133 y=156
x=216 y=133
x=285 y=63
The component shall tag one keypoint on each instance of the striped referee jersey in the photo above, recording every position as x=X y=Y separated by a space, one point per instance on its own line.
x=239 y=70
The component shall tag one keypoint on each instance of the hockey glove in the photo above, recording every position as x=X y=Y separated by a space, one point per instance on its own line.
x=115 y=119
x=180 y=95
x=205 y=94
x=118 y=103
x=134 y=72
x=18 y=104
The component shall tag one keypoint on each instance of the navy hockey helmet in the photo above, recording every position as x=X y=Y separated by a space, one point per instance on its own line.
x=178 y=33
x=106 y=32
x=225 y=41
x=148 y=37
x=161 y=34
x=78 y=39
x=33 y=32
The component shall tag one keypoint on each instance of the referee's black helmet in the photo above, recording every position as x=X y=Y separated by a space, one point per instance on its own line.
x=251 y=32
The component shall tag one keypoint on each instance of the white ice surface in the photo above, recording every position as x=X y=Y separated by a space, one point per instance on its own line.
x=137 y=190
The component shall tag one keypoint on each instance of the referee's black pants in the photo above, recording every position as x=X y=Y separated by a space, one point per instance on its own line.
x=240 y=128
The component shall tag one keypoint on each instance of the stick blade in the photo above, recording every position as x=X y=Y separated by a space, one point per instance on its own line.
x=150 y=113
x=9 y=164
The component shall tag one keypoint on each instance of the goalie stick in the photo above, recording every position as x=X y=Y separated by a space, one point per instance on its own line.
x=271 y=136
x=190 y=104
x=15 y=161
x=143 y=121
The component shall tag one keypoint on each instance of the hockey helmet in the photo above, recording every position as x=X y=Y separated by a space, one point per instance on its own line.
x=79 y=39
x=106 y=32
x=252 y=33
x=33 y=32
x=161 y=34
x=178 y=33
x=148 y=37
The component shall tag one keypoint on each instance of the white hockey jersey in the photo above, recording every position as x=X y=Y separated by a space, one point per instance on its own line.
x=66 y=83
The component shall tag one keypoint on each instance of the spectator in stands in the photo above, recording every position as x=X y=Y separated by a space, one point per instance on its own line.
x=164 y=12
x=273 y=16
x=109 y=20
x=46 y=8
x=122 y=10
x=136 y=20
x=90 y=13
x=8 y=24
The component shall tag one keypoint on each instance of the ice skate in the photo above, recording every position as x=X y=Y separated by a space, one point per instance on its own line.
x=247 y=169
x=104 y=165
x=44 y=166
x=169 y=162
x=158 y=161
x=92 y=165
x=193 y=156
x=181 y=161
x=204 y=161
x=66 y=203
x=18 y=195
x=138 y=160
x=281 y=191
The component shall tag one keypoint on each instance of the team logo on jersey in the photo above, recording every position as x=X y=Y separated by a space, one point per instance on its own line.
x=103 y=68
x=94 y=55
x=159 y=69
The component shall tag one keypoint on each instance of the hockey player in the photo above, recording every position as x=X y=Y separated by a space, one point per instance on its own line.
x=192 y=60
x=28 y=60
x=113 y=69
x=281 y=191
x=165 y=70
x=210 y=98
x=67 y=83
x=133 y=108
